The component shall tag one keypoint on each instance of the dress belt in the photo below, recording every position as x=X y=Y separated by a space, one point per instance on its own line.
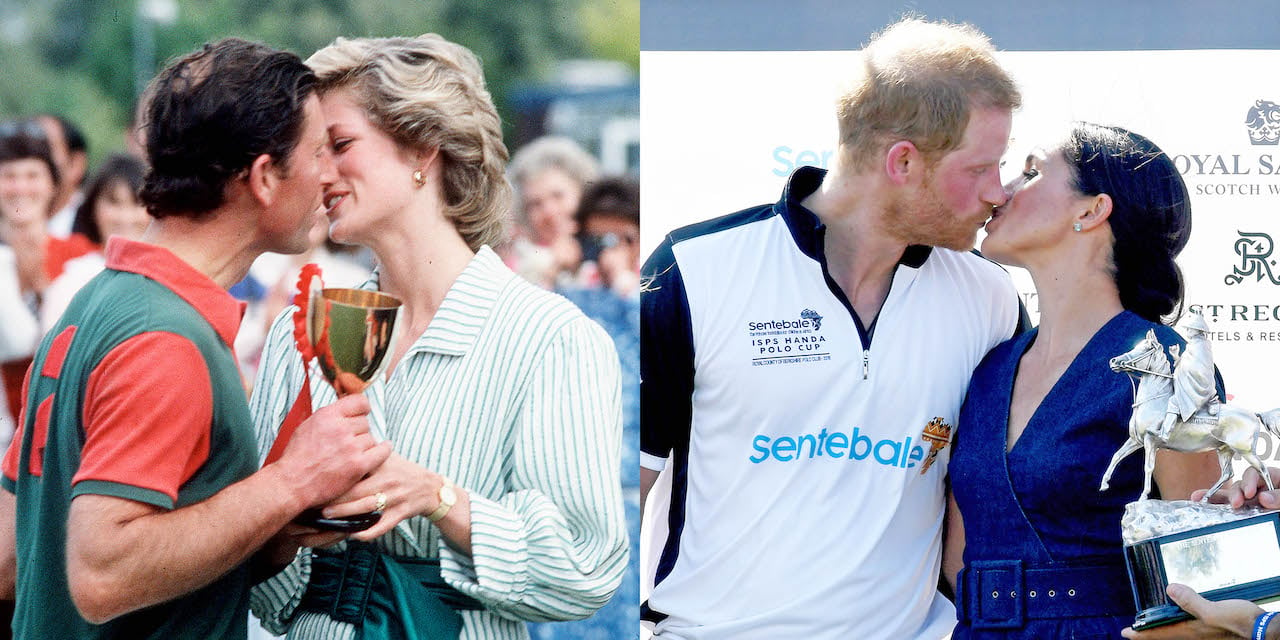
x=385 y=596
x=1004 y=594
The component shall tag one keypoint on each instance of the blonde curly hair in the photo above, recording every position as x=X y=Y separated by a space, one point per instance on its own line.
x=428 y=92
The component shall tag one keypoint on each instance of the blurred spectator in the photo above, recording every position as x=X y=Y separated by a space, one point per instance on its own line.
x=609 y=220
x=71 y=155
x=609 y=234
x=549 y=175
x=31 y=258
x=110 y=207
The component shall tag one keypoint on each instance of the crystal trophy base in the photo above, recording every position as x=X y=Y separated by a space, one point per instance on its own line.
x=1220 y=553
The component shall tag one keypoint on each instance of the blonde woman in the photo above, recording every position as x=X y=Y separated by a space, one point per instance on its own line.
x=502 y=499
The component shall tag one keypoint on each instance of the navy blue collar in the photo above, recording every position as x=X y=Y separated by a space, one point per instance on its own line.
x=808 y=231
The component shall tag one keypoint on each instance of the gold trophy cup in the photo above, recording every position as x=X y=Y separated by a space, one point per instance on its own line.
x=350 y=332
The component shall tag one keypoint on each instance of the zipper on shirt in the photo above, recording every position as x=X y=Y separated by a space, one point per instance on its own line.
x=864 y=335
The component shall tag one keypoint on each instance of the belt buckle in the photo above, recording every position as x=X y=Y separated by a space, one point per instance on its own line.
x=997 y=597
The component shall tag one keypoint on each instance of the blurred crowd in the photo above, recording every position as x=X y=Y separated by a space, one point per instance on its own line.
x=574 y=231
x=578 y=233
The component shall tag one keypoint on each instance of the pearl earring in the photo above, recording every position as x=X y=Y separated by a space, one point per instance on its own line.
x=419 y=180
x=1077 y=227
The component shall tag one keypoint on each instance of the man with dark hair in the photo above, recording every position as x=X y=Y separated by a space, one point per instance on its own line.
x=140 y=508
x=71 y=155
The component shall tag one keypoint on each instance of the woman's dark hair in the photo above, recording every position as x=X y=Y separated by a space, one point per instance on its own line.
x=116 y=169
x=72 y=134
x=25 y=140
x=618 y=197
x=211 y=113
x=1150 y=213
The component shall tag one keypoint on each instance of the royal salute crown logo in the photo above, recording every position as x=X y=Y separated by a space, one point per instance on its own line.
x=1263 y=121
x=938 y=434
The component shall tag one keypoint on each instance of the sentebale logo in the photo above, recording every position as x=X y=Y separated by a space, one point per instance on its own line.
x=1263 y=121
x=1255 y=251
x=787 y=341
x=837 y=445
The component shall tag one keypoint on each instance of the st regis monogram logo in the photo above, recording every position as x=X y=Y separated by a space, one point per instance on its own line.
x=1255 y=251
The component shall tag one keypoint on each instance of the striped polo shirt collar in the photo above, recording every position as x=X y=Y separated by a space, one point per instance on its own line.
x=211 y=301
x=808 y=230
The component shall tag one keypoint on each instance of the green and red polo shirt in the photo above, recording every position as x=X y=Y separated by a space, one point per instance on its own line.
x=134 y=394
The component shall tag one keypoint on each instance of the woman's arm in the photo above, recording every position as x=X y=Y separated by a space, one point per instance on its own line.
x=554 y=547
x=279 y=379
x=1178 y=474
x=952 y=543
x=1224 y=619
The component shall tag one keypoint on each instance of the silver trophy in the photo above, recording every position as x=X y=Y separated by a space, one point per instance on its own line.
x=1218 y=552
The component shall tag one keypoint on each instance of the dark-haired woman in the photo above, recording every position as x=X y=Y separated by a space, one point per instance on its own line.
x=1097 y=221
x=30 y=258
x=110 y=208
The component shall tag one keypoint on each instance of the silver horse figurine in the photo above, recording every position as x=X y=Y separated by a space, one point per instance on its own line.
x=1234 y=435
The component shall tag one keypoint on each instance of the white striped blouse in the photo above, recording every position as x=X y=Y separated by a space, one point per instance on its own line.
x=514 y=395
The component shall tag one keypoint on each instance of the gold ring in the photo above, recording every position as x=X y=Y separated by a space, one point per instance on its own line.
x=379 y=501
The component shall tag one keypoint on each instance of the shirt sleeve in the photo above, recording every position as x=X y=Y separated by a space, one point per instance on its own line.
x=147 y=414
x=554 y=547
x=279 y=379
x=666 y=360
x=9 y=479
x=20 y=330
x=58 y=295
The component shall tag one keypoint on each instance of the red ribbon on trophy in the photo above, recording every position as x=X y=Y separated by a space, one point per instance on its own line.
x=301 y=409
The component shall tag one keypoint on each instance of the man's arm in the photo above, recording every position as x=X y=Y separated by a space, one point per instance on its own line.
x=124 y=555
x=647 y=478
x=666 y=365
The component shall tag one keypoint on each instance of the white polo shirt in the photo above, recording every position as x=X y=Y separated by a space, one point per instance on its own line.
x=799 y=508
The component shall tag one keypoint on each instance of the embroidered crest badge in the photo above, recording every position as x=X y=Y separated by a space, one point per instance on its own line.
x=938 y=434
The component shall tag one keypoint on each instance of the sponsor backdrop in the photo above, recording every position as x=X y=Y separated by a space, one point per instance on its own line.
x=723 y=130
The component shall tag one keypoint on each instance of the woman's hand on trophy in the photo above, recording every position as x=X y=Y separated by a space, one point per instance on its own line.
x=403 y=490
x=1251 y=490
x=1222 y=619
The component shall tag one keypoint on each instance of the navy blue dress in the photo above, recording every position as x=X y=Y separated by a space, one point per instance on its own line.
x=1043 y=555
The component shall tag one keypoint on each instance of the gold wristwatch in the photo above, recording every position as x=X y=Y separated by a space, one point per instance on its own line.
x=447 y=499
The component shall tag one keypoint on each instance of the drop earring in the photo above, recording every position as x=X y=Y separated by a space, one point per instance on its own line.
x=420 y=180
x=1077 y=226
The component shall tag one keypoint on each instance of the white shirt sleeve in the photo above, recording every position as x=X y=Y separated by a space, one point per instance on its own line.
x=19 y=330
